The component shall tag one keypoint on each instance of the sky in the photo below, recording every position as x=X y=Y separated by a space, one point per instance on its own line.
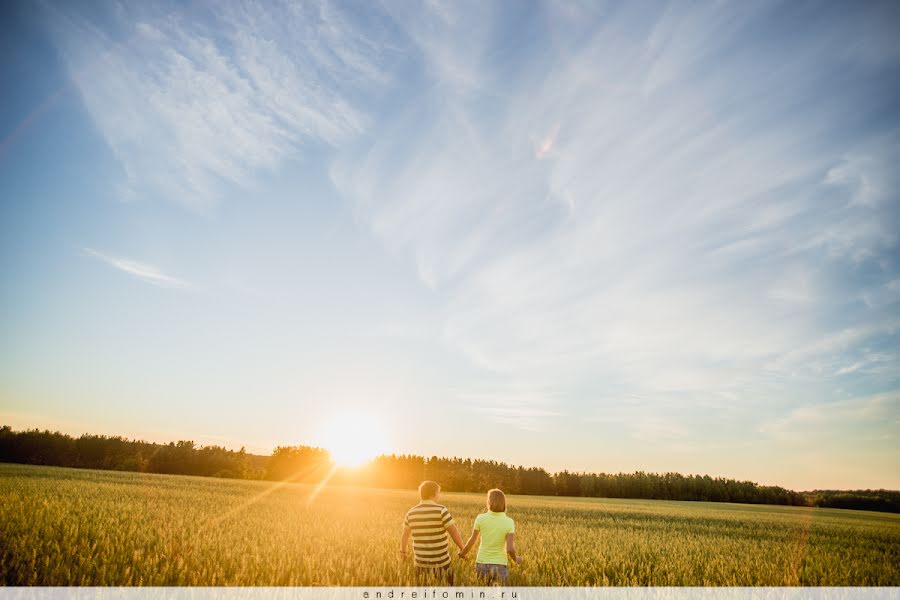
x=583 y=235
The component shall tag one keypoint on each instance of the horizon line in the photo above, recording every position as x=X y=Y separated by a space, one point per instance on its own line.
x=550 y=472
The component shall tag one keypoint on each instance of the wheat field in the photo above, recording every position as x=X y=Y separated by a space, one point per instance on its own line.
x=78 y=527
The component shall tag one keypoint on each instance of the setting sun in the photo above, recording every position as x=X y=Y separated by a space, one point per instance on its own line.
x=353 y=439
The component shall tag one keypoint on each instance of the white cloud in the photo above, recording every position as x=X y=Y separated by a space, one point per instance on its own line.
x=191 y=108
x=657 y=203
x=829 y=353
x=658 y=431
x=524 y=418
x=524 y=407
x=675 y=242
x=143 y=271
x=824 y=420
x=449 y=37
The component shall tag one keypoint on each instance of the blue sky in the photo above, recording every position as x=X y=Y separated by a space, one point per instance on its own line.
x=595 y=236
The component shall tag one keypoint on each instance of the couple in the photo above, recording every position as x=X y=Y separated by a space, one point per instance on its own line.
x=429 y=523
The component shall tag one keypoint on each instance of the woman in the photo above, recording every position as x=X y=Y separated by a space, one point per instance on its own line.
x=497 y=546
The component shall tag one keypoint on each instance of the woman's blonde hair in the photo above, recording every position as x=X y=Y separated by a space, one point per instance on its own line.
x=496 y=500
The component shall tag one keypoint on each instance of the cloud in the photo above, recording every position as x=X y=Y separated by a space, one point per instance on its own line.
x=192 y=108
x=824 y=420
x=143 y=271
x=524 y=418
x=714 y=233
x=705 y=214
x=519 y=406
x=842 y=352
x=657 y=431
x=448 y=38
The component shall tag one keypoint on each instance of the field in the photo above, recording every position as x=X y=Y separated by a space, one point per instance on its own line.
x=74 y=527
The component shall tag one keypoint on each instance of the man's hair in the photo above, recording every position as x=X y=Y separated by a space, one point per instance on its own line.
x=428 y=490
x=496 y=500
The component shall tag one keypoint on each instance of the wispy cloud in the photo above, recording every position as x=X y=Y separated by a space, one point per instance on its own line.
x=143 y=271
x=524 y=418
x=705 y=214
x=823 y=420
x=192 y=108
x=521 y=407
x=693 y=205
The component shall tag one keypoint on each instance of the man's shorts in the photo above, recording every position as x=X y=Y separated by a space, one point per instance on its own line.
x=434 y=575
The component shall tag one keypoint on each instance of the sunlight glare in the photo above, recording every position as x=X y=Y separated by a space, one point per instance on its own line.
x=353 y=439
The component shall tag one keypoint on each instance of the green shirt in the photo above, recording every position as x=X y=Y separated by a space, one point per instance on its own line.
x=494 y=527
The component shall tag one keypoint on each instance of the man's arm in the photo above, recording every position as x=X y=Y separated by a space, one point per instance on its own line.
x=404 y=538
x=472 y=539
x=511 y=548
x=453 y=530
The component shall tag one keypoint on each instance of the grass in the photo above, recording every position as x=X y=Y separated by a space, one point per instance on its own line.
x=78 y=527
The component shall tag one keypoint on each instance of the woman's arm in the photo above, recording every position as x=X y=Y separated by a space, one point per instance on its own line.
x=511 y=548
x=472 y=539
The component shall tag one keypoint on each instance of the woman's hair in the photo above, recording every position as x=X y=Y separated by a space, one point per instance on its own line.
x=496 y=500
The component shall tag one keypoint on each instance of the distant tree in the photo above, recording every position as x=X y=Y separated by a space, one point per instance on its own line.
x=880 y=500
x=117 y=453
x=567 y=484
x=307 y=464
x=298 y=463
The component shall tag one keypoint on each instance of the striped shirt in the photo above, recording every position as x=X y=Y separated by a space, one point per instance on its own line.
x=429 y=521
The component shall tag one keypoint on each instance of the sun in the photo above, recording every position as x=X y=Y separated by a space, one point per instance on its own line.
x=353 y=439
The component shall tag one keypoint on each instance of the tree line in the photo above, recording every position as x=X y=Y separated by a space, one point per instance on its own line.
x=307 y=464
x=116 y=453
x=466 y=475
x=880 y=500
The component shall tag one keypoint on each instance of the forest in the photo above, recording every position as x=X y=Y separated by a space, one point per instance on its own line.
x=305 y=464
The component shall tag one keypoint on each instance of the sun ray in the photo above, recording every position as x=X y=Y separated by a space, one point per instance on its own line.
x=274 y=486
x=321 y=485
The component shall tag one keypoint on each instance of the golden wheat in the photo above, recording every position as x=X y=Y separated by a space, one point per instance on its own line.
x=77 y=527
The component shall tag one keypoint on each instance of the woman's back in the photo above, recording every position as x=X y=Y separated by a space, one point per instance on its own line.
x=493 y=527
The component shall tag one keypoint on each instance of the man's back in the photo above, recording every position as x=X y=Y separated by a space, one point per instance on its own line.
x=428 y=522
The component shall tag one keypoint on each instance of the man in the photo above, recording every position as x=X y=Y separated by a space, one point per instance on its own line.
x=429 y=523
